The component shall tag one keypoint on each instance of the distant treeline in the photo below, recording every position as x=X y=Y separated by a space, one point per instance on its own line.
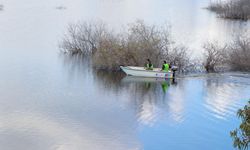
x=232 y=9
x=139 y=41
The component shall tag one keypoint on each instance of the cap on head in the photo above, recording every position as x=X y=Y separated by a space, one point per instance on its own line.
x=165 y=62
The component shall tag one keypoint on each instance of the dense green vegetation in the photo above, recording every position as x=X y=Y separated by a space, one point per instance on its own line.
x=241 y=136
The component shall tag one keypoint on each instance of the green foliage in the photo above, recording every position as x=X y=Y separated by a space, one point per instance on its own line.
x=241 y=136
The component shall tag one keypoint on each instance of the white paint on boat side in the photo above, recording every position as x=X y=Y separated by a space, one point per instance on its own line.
x=142 y=72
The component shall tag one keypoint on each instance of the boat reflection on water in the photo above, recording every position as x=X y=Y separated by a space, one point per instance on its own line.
x=165 y=82
x=155 y=99
x=150 y=99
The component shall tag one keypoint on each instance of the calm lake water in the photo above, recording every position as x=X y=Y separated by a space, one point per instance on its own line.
x=53 y=102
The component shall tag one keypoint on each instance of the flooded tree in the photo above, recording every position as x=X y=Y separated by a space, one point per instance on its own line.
x=133 y=46
x=234 y=55
x=178 y=56
x=239 y=54
x=83 y=38
x=214 y=55
x=232 y=9
x=241 y=136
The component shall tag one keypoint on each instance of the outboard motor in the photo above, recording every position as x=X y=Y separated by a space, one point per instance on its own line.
x=174 y=69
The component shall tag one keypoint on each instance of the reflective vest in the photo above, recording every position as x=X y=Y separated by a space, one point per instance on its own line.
x=149 y=67
x=166 y=67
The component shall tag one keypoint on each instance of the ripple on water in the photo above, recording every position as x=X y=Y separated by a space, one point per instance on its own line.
x=154 y=105
x=42 y=132
x=222 y=97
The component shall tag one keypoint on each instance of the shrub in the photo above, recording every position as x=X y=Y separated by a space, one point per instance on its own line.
x=178 y=56
x=239 y=54
x=139 y=42
x=214 y=56
x=235 y=55
x=83 y=38
x=233 y=9
x=133 y=47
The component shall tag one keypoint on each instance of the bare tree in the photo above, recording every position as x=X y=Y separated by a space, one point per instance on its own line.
x=214 y=56
x=178 y=56
x=233 y=9
x=83 y=37
x=239 y=54
x=109 y=50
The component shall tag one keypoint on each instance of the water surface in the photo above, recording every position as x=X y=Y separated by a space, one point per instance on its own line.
x=49 y=101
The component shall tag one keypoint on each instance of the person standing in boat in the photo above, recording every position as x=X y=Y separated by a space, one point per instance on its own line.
x=149 y=65
x=165 y=66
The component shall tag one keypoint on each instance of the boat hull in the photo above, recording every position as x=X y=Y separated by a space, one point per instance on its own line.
x=134 y=79
x=142 y=72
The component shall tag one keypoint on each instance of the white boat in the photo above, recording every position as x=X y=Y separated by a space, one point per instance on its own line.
x=142 y=72
x=134 y=79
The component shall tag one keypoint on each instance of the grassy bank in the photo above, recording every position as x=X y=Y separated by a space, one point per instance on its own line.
x=233 y=9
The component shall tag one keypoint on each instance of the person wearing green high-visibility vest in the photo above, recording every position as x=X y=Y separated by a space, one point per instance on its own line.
x=149 y=65
x=165 y=66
